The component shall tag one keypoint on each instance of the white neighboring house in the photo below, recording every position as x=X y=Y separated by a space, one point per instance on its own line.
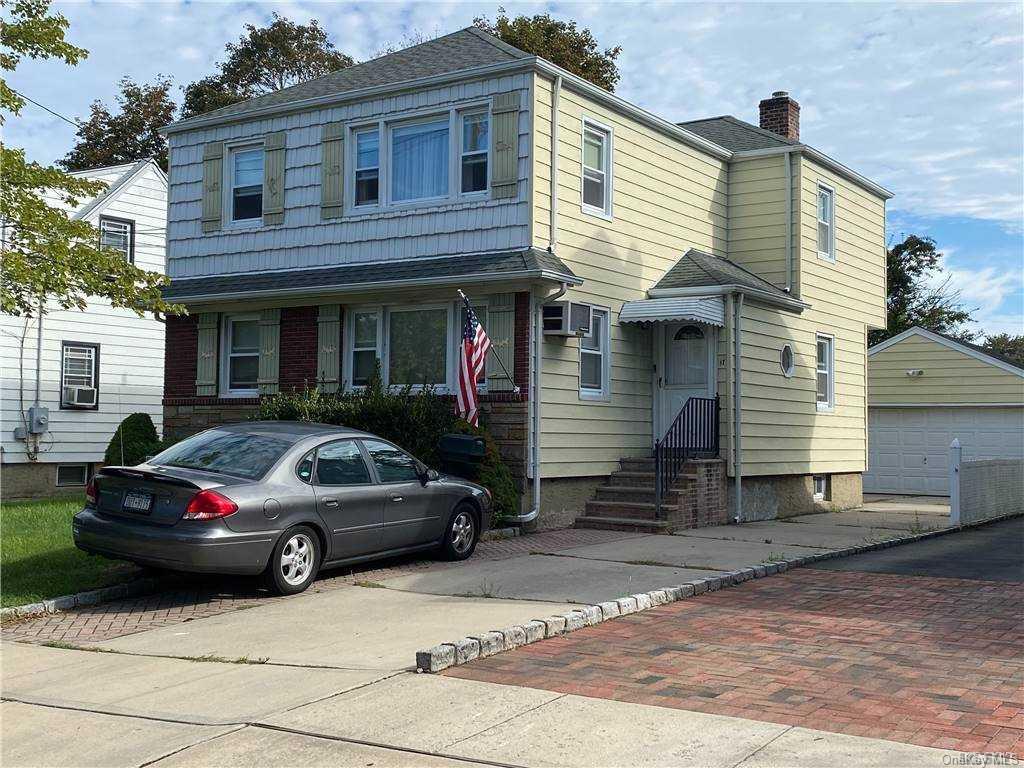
x=98 y=365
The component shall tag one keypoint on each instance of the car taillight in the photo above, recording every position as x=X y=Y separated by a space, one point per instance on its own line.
x=209 y=505
x=90 y=493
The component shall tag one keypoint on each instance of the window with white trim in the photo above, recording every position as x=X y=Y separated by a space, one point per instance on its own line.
x=595 y=358
x=240 y=357
x=787 y=361
x=80 y=375
x=119 y=235
x=474 y=149
x=419 y=155
x=825 y=387
x=414 y=344
x=596 y=169
x=246 y=183
x=365 y=346
x=826 y=223
x=72 y=474
x=821 y=487
x=367 y=167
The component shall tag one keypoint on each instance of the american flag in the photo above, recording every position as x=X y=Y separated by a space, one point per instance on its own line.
x=472 y=356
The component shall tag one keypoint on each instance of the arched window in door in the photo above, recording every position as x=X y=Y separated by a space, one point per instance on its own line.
x=686 y=357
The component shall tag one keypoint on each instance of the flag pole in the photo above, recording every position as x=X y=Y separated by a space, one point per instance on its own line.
x=515 y=387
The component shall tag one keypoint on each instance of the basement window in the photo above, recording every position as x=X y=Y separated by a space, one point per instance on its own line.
x=821 y=488
x=69 y=475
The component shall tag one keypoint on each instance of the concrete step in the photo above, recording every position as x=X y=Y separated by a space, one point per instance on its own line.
x=644 y=493
x=623 y=524
x=623 y=477
x=637 y=510
x=637 y=464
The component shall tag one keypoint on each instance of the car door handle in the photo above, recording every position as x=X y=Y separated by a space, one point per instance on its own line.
x=330 y=502
x=398 y=498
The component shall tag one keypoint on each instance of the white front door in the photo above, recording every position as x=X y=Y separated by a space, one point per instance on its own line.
x=685 y=368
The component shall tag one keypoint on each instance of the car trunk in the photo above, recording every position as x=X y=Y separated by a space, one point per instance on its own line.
x=154 y=495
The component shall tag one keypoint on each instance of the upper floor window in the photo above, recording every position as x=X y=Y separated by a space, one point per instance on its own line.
x=475 y=145
x=367 y=167
x=118 y=234
x=825 y=390
x=240 y=363
x=419 y=161
x=595 y=358
x=597 y=164
x=826 y=223
x=246 y=183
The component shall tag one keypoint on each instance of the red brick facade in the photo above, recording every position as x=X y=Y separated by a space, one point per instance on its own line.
x=298 y=348
x=180 y=352
x=521 y=364
x=781 y=114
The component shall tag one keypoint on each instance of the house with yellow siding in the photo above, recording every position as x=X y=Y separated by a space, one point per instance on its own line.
x=679 y=311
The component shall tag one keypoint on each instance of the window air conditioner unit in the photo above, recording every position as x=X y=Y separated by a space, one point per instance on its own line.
x=79 y=397
x=567 y=318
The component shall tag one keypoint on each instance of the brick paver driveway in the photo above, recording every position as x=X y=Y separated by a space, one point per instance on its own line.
x=921 y=644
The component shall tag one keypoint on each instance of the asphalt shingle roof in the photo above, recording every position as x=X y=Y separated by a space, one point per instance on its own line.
x=697 y=269
x=466 y=49
x=531 y=262
x=735 y=134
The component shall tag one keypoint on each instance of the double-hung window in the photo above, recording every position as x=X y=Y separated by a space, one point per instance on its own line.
x=475 y=144
x=80 y=374
x=118 y=235
x=365 y=345
x=367 y=167
x=825 y=388
x=597 y=165
x=246 y=177
x=826 y=223
x=419 y=161
x=595 y=358
x=241 y=357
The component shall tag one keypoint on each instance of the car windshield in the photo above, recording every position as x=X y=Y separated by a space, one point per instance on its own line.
x=225 y=453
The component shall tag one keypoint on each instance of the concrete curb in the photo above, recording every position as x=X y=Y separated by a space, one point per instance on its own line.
x=462 y=651
x=497 y=534
x=136 y=588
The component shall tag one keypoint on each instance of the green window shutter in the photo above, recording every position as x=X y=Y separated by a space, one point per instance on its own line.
x=328 y=347
x=273 y=178
x=206 y=354
x=505 y=152
x=501 y=323
x=213 y=173
x=270 y=351
x=332 y=177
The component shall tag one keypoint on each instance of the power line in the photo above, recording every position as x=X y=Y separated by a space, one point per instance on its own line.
x=43 y=106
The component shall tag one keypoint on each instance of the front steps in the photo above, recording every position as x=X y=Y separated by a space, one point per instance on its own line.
x=626 y=502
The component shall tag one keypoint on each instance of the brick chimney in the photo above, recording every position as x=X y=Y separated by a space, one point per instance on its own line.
x=781 y=114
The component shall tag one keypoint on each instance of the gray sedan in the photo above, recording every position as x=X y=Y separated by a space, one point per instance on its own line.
x=281 y=499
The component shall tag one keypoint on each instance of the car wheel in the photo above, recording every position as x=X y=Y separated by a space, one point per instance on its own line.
x=461 y=534
x=295 y=561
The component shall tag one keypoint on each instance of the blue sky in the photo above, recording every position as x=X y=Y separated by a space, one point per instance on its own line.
x=926 y=99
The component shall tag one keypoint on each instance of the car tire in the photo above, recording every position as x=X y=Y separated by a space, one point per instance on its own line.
x=295 y=561
x=461 y=534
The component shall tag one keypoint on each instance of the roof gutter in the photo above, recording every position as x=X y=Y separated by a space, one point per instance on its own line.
x=818 y=157
x=483 y=277
x=723 y=290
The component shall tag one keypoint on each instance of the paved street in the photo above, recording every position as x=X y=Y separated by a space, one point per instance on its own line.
x=217 y=674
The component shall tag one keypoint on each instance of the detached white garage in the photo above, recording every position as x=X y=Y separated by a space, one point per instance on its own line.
x=925 y=389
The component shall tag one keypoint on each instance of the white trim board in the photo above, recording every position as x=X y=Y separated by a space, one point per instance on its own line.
x=956 y=346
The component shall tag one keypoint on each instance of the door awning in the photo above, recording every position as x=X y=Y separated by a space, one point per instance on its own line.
x=700 y=309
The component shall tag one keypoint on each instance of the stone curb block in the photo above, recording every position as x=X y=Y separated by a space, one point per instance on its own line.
x=136 y=588
x=488 y=644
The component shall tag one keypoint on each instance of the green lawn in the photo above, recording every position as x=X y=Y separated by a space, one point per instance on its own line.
x=38 y=559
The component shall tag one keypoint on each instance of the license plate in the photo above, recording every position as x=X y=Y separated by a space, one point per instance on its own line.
x=136 y=501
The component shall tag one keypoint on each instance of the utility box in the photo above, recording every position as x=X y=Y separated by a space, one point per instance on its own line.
x=461 y=454
x=38 y=420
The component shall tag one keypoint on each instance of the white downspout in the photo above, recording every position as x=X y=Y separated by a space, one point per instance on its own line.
x=556 y=91
x=737 y=408
x=787 y=158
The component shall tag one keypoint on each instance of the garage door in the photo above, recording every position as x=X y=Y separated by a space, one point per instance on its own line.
x=908 y=448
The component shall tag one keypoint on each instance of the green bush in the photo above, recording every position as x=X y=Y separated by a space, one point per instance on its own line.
x=413 y=420
x=133 y=441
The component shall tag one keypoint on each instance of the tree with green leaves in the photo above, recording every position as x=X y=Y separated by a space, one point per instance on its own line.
x=914 y=296
x=131 y=133
x=49 y=257
x=1007 y=346
x=266 y=59
x=560 y=42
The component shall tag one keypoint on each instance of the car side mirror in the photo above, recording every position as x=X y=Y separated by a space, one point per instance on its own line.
x=428 y=475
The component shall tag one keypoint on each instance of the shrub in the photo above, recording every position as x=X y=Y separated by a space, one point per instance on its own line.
x=413 y=420
x=134 y=440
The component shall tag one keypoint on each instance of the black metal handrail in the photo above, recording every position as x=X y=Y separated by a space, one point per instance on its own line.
x=693 y=434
